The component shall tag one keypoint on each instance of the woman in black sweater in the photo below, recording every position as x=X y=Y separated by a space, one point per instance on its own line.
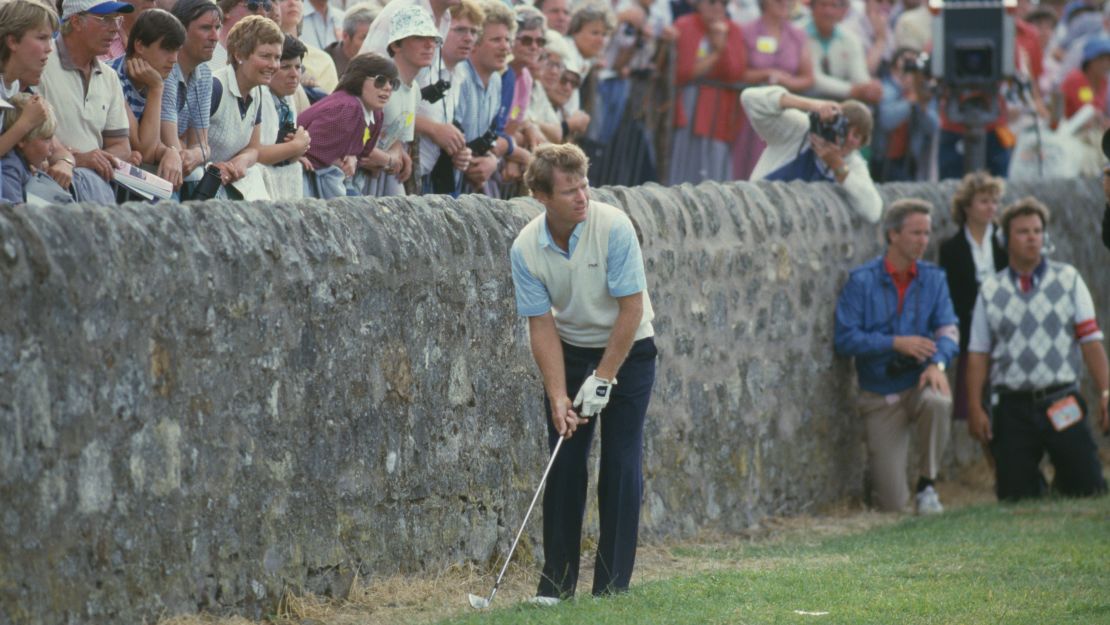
x=969 y=257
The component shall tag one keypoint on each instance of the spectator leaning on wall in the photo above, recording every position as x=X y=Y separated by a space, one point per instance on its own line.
x=793 y=153
x=895 y=317
x=1030 y=324
x=589 y=319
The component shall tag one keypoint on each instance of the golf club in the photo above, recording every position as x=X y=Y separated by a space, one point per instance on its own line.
x=481 y=603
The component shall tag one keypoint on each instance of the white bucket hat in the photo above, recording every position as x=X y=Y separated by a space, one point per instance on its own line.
x=412 y=21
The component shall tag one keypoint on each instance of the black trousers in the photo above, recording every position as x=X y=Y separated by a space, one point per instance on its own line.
x=620 y=481
x=1022 y=435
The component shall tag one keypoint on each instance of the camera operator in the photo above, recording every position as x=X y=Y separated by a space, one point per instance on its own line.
x=907 y=120
x=794 y=152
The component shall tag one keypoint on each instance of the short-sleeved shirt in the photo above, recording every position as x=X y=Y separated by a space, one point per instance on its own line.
x=478 y=105
x=399 y=122
x=136 y=99
x=86 y=113
x=624 y=269
x=187 y=101
x=319 y=31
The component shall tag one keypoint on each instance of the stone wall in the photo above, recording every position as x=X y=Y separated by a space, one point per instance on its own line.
x=202 y=405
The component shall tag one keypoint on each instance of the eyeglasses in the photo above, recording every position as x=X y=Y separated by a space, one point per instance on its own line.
x=114 y=21
x=255 y=5
x=528 y=41
x=570 y=79
x=466 y=30
x=381 y=81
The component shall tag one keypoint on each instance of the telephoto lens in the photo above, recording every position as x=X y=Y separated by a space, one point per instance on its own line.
x=209 y=185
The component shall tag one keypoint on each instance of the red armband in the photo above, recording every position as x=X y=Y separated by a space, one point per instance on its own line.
x=1086 y=328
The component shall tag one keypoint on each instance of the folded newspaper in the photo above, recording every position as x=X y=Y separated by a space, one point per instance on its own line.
x=142 y=182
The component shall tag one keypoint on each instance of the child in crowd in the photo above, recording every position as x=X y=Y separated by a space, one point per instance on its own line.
x=25 y=165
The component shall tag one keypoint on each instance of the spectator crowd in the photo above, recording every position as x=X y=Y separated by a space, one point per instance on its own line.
x=279 y=99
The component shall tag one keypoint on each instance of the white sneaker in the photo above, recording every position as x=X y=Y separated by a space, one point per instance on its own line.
x=546 y=602
x=928 y=502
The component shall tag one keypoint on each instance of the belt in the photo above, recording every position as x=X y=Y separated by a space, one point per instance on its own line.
x=1037 y=394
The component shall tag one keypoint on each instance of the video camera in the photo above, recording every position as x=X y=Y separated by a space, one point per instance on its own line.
x=976 y=40
x=833 y=131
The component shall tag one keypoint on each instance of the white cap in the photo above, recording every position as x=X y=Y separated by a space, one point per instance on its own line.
x=412 y=21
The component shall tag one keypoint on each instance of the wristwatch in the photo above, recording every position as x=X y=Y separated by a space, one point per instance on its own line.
x=940 y=366
x=841 y=171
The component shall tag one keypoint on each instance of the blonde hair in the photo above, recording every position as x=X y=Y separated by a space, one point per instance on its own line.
x=896 y=214
x=19 y=103
x=249 y=33
x=497 y=13
x=565 y=157
x=468 y=10
x=859 y=117
x=17 y=17
x=973 y=184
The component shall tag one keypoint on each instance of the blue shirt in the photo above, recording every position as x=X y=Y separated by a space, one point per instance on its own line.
x=192 y=109
x=478 y=106
x=624 y=268
x=136 y=100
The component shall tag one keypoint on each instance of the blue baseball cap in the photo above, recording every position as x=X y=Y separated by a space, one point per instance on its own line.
x=96 y=7
x=1095 y=47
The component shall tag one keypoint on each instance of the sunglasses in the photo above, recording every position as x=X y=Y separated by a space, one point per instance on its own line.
x=570 y=79
x=255 y=5
x=528 y=41
x=381 y=81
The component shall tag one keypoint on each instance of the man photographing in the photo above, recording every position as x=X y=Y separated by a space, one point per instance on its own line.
x=1031 y=322
x=579 y=277
x=814 y=140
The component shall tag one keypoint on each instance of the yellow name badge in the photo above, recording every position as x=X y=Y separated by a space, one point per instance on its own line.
x=409 y=118
x=366 y=136
x=766 y=44
x=703 y=49
x=1064 y=413
x=514 y=113
x=1086 y=95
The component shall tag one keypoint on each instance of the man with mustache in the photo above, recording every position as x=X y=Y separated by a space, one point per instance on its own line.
x=85 y=93
x=895 y=317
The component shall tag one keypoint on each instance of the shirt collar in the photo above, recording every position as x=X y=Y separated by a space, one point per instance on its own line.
x=986 y=236
x=547 y=241
x=66 y=60
x=233 y=87
x=895 y=274
x=1038 y=272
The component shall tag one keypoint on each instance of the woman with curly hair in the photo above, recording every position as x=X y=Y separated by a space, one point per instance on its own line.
x=972 y=255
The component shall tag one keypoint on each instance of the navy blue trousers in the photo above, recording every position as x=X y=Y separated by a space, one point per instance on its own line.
x=1022 y=435
x=620 y=480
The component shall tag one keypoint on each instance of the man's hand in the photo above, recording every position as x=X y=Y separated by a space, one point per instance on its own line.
x=564 y=419
x=979 y=424
x=917 y=347
x=170 y=168
x=578 y=122
x=934 y=377
x=143 y=74
x=99 y=161
x=480 y=170
x=827 y=151
x=191 y=159
x=449 y=138
x=593 y=395
x=461 y=159
x=405 y=168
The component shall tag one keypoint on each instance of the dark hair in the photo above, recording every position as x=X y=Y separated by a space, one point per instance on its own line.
x=188 y=11
x=1027 y=205
x=156 y=26
x=292 y=48
x=363 y=66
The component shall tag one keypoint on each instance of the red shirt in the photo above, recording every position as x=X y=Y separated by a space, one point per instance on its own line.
x=902 y=279
x=1077 y=91
x=718 y=113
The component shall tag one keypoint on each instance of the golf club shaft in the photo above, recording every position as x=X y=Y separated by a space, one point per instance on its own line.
x=523 y=523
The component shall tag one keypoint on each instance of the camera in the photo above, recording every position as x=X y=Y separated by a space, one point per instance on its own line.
x=978 y=41
x=209 y=184
x=902 y=364
x=434 y=92
x=918 y=64
x=480 y=146
x=833 y=130
x=284 y=130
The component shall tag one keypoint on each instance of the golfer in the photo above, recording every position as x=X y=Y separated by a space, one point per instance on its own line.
x=579 y=278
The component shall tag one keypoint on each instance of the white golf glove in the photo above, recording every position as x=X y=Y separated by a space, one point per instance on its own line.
x=594 y=395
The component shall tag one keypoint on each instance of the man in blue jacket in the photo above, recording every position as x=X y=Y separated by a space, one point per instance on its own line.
x=895 y=318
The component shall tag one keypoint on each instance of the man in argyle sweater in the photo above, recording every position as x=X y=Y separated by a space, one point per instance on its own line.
x=1031 y=322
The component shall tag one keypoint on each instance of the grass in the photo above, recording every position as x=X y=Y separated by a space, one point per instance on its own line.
x=1038 y=563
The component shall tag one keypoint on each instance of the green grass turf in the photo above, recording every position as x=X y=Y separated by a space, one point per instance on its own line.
x=1038 y=563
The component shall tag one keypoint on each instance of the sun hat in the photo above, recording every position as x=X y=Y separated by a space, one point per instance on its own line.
x=1095 y=47
x=412 y=21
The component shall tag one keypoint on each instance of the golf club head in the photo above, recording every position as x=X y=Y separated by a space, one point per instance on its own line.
x=478 y=603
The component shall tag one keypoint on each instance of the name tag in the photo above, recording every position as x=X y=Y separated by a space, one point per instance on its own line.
x=767 y=44
x=1064 y=413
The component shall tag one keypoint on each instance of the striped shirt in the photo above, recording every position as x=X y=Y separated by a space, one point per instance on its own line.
x=190 y=111
x=136 y=100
